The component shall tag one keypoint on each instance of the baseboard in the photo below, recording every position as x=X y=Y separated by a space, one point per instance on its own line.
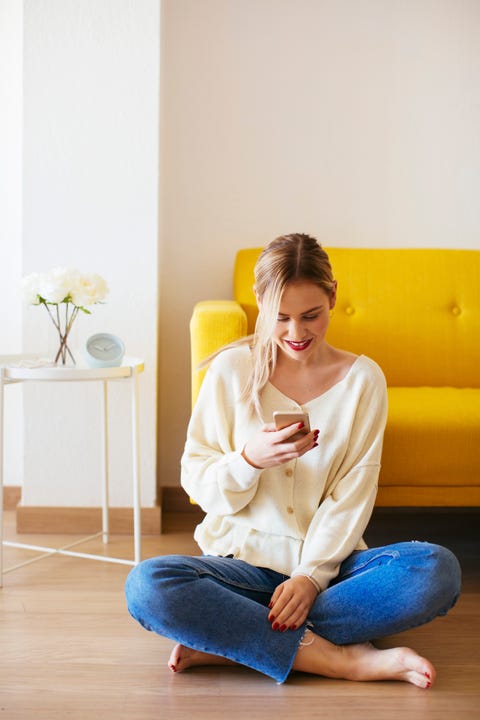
x=66 y=520
x=12 y=495
x=84 y=521
x=176 y=500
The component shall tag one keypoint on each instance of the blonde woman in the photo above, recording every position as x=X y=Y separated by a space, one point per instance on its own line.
x=286 y=581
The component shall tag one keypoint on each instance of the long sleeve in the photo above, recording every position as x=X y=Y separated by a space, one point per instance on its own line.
x=214 y=473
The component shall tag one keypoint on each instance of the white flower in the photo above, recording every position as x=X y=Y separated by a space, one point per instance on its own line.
x=30 y=289
x=64 y=285
x=68 y=286
x=88 y=290
x=56 y=285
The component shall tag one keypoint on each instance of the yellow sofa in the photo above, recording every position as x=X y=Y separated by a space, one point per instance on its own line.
x=417 y=313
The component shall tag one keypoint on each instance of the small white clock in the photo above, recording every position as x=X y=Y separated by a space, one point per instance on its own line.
x=104 y=350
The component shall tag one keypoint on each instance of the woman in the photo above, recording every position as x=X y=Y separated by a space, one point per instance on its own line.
x=285 y=581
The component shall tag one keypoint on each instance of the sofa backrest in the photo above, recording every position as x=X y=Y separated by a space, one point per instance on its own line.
x=415 y=311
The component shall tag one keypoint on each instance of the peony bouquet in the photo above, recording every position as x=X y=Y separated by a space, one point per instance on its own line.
x=67 y=287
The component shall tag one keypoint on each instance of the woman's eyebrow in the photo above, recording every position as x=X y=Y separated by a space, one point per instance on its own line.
x=305 y=312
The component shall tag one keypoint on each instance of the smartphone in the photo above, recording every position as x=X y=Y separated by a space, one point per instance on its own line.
x=283 y=419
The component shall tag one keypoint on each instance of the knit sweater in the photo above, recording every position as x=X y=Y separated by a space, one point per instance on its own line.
x=300 y=518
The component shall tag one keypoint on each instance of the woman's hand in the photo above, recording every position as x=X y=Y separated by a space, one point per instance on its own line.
x=271 y=447
x=291 y=603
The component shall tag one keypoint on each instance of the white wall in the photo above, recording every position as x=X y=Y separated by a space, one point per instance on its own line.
x=354 y=120
x=11 y=14
x=90 y=200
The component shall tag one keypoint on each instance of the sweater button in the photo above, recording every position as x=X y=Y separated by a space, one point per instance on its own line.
x=289 y=472
x=290 y=510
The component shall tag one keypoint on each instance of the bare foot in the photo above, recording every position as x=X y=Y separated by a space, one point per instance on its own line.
x=183 y=657
x=363 y=662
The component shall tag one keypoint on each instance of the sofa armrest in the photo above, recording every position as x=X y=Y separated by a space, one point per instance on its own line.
x=214 y=323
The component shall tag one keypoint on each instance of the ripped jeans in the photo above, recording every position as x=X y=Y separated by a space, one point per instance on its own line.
x=220 y=605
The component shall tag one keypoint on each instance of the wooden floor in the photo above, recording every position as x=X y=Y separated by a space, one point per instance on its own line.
x=69 y=650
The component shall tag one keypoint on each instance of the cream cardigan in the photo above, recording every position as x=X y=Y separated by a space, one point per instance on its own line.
x=301 y=518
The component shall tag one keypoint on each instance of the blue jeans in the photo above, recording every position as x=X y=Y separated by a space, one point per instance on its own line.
x=220 y=605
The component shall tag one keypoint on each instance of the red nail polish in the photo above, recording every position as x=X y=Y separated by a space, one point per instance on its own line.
x=429 y=684
x=427 y=675
x=270 y=605
x=271 y=618
x=293 y=627
x=283 y=628
x=301 y=425
x=275 y=626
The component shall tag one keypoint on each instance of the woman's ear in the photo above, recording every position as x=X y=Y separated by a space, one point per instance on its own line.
x=333 y=295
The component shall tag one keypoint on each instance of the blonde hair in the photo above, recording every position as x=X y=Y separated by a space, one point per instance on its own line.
x=287 y=259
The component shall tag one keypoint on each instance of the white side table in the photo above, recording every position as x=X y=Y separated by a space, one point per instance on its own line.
x=15 y=369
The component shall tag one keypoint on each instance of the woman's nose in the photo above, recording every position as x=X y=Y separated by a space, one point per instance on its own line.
x=296 y=330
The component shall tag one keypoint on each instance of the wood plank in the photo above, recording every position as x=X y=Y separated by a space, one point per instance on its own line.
x=84 y=521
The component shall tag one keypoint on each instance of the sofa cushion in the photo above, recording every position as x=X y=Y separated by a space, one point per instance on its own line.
x=432 y=437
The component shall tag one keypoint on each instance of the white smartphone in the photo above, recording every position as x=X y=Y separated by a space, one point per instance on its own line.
x=283 y=419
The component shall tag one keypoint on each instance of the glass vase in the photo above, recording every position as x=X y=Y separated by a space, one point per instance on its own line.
x=63 y=321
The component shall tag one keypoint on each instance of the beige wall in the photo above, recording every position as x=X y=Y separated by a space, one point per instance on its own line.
x=354 y=120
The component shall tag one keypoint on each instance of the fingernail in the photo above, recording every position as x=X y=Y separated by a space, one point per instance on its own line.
x=301 y=425
x=293 y=627
x=283 y=628
x=271 y=618
x=315 y=444
x=427 y=675
x=270 y=604
x=429 y=684
x=275 y=626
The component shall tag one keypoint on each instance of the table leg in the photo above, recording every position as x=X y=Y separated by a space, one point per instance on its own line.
x=137 y=532
x=105 y=451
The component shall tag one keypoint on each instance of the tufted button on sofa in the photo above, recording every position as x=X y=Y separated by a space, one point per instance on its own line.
x=417 y=313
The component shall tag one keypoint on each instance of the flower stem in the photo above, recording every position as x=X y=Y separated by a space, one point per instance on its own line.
x=52 y=317
x=63 y=332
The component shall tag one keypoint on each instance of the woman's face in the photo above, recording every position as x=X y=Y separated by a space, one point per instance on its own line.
x=303 y=320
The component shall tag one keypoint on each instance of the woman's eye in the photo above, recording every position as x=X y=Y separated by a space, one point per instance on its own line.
x=310 y=317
